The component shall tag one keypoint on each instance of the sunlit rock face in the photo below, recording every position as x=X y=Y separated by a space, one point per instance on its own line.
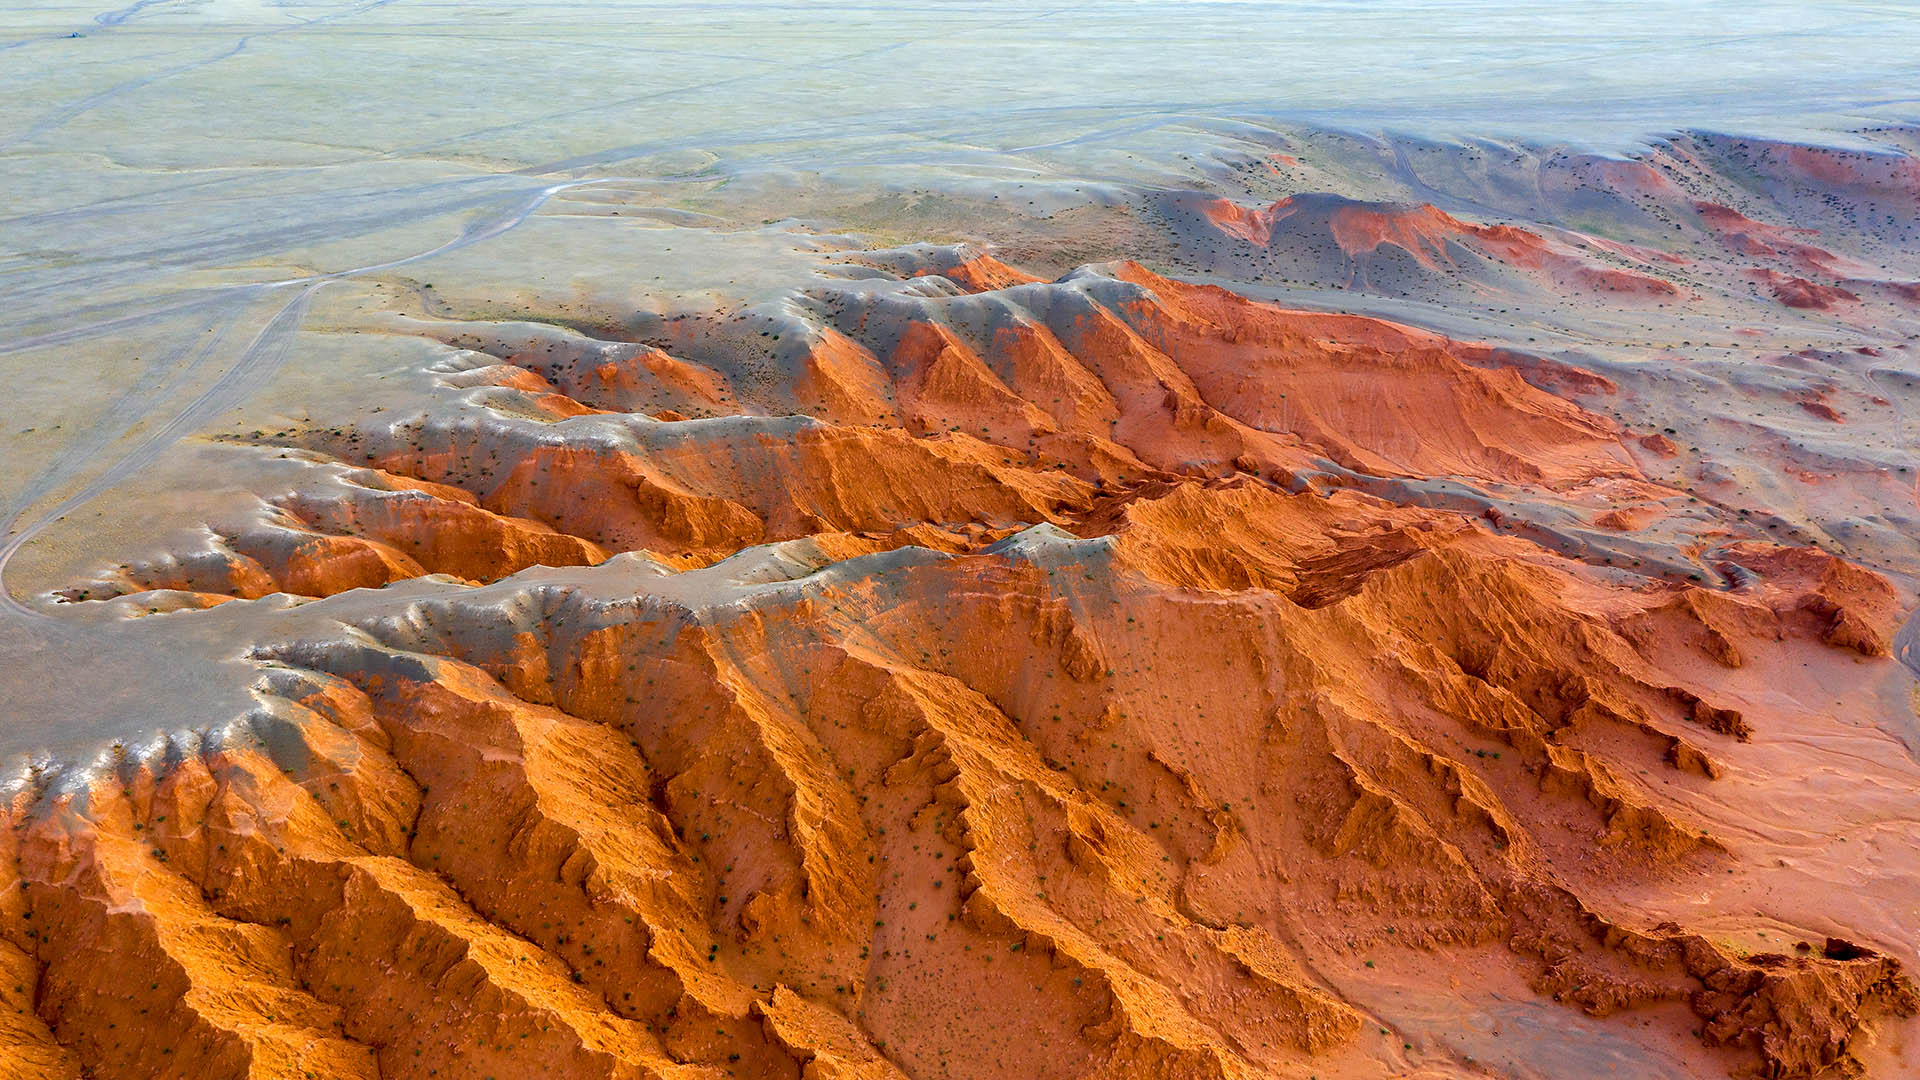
x=951 y=672
x=740 y=559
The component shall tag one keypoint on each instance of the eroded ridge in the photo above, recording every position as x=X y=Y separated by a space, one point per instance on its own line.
x=946 y=674
x=945 y=411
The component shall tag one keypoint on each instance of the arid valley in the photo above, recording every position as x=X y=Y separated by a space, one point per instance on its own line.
x=959 y=542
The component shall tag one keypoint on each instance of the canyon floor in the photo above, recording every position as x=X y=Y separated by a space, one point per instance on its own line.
x=682 y=577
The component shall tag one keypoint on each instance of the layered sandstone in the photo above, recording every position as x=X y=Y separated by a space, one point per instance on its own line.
x=957 y=675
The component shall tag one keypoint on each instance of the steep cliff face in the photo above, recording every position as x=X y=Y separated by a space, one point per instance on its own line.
x=948 y=407
x=950 y=675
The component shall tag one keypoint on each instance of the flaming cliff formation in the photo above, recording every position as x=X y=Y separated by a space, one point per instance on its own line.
x=959 y=541
x=952 y=673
